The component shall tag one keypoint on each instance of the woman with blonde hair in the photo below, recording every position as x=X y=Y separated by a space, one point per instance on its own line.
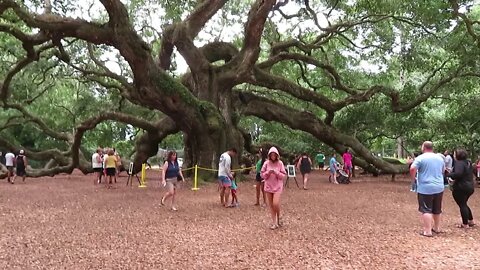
x=111 y=167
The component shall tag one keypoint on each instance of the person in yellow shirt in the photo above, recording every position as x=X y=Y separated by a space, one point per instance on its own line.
x=111 y=166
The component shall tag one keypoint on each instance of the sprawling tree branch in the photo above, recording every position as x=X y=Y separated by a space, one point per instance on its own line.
x=183 y=34
x=40 y=123
x=274 y=111
x=250 y=51
x=60 y=26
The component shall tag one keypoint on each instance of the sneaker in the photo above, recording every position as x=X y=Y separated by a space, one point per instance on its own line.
x=174 y=209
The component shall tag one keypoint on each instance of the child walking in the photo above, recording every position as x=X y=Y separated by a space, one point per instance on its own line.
x=233 y=188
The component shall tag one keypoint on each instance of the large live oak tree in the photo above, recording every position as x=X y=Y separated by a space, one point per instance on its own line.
x=229 y=80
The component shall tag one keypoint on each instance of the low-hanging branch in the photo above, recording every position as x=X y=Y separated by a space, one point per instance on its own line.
x=273 y=111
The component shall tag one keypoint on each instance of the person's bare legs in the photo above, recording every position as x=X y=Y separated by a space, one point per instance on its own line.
x=258 y=186
x=305 y=180
x=273 y=213
x=436 y=222
x=226 y=196
x=234 y=198
x=167 y=194
x=262 y=184
x=174 y=193
x=335 y=178
x=222 y=195
x=427 y=221
x=276 y=207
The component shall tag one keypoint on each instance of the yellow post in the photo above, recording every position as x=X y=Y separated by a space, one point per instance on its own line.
x=195 y=179
x=143 y=179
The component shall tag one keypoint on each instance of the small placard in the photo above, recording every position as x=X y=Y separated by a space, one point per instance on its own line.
x=130 y=168
x=291 y=170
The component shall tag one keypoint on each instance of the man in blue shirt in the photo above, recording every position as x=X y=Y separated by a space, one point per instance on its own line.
x=429 y=168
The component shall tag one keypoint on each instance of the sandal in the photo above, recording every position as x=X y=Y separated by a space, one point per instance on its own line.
x=437 y=232
x=425 y=235
x=463 y=226
x=273 y=227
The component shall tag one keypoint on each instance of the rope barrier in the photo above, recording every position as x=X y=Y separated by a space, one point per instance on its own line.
x=195 y=179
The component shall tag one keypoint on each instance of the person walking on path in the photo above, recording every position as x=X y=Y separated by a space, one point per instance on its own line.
x=273 y=171
x=427 y=169
x=304 y=164
x=225 y=175
x=463 y=187
x=21 y=164
x=170 y=175
x=10 y=164
x=320 y=159
x=258 y=177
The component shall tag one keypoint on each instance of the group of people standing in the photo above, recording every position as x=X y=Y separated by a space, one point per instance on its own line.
x=335 y=166
x=106 y=162
x=304 y=164
x=16 y=165
x=428 y=172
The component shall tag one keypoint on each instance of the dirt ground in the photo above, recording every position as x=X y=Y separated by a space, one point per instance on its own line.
x=66 y=222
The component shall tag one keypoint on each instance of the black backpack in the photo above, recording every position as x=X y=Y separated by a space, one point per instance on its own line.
x=20 y=162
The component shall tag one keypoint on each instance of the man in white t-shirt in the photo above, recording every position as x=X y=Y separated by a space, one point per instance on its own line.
x=97 y=165
x=10 y=164
x=225 y=175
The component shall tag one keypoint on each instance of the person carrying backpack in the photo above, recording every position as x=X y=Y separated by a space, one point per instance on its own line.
x=21 y=164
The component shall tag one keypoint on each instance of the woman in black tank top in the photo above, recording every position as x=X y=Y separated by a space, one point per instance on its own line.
x=304 y=164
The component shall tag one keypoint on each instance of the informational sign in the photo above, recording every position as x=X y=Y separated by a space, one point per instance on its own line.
x=130 y=168
x=291 y=170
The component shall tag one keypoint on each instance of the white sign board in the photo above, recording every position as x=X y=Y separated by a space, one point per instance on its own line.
x=291 y=170
x=130 y=168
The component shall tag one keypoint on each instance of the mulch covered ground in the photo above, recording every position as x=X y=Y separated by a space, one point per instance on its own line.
x=66 y=222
